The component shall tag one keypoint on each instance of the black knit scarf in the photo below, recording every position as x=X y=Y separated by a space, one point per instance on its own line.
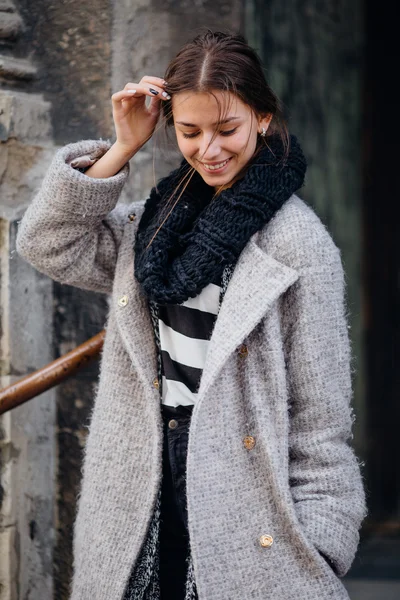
x=204 y=233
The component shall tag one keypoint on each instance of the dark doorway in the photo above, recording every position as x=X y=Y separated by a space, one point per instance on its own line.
x=379 y=554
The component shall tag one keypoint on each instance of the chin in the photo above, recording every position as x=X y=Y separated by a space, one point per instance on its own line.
x=215 y=181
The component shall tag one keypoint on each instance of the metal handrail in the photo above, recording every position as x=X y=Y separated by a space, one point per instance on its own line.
x=52 y=374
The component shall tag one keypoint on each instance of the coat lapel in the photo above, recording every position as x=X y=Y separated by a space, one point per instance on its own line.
x=257 y=281
x=134 y=320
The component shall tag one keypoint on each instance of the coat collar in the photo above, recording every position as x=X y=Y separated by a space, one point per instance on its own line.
x=257 y=282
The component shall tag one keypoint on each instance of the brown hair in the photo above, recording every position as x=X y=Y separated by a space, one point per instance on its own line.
x=218 y=61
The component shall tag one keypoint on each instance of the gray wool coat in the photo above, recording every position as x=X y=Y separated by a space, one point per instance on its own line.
x=260 y=514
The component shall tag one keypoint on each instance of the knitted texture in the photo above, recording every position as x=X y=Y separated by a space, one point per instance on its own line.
x=65 y=210
x=144 y=584
x=202 y=235
x=299 y=483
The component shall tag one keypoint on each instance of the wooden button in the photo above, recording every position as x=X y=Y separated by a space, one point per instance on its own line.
x=132 y=217
x=266 y=541
x=123 y=301
x=243 y=351
x=249 y=442
x=172 y=424
x=156 y=384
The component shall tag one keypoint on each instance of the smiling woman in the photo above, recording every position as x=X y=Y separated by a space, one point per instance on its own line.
x=217 y=82
x=218 y=462
x=218 y=149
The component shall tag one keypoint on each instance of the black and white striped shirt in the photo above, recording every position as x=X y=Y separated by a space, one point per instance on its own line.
x=184 y=334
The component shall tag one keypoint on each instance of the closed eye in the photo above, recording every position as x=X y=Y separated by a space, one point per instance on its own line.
x=230 y=132
x=190 y=135
x=193 y=135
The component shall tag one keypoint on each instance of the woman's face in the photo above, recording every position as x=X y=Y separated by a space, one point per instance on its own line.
x=216 y=133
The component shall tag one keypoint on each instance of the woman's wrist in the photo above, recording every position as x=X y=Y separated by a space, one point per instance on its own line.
x=111 y=162
x=127 y=152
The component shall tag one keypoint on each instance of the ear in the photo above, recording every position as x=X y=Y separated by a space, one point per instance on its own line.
x=264 y=122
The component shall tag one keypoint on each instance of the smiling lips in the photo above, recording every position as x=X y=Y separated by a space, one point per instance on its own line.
x=215 y=166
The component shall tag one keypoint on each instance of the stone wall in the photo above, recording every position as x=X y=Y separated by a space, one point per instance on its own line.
x=27 y=443
x=27 y=448
x=70 y=44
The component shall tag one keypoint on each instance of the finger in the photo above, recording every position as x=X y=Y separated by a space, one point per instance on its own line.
x=153 y=80
x=156 y=90
x=130 y=85
x=154 y=106
x=137 y=90
x=124 y=94
x=155 y=84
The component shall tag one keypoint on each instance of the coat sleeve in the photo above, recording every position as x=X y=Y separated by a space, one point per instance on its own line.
x=72 y=229
x=324 y=473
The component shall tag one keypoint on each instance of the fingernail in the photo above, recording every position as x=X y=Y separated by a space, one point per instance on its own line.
x=153 y=91
x=165 y=95
x=165 y=83
x=131 y=91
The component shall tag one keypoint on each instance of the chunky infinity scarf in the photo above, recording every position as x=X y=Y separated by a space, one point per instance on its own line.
x=203 y=234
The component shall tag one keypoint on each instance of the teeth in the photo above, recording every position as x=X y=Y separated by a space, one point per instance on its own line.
x=214 y=167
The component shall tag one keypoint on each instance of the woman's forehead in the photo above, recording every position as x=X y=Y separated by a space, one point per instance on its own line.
x=189 y=108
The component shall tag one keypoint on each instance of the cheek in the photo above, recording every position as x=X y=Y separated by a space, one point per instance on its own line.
x=186 y=146
x=245 y=142
x=246 y=146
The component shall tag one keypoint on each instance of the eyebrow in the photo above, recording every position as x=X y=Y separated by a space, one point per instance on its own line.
x=214 y=124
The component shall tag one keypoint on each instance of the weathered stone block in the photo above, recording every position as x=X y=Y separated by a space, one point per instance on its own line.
x=24 y=117
x=27 y=443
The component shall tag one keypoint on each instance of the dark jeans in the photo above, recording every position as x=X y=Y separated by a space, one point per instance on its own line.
x=174 y=536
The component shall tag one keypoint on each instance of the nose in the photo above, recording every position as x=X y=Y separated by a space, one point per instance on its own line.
x=209 y=149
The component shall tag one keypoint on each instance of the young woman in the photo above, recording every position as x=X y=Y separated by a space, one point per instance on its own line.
x=218 y=463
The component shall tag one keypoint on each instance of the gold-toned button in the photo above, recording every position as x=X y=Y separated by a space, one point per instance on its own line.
x=266 y=541
x=132 y=217
x=249 y=442
x=243 y=351
x=156 y=383
x=123 y=301
x=172 y=424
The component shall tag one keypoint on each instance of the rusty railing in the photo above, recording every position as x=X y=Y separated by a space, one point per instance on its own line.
x=52 y=374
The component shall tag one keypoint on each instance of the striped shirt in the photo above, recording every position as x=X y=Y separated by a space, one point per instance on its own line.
x=184 y=335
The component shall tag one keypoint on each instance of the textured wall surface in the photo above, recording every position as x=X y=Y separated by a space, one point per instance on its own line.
x=69 y=43
x=25 y=148
x=27 y=444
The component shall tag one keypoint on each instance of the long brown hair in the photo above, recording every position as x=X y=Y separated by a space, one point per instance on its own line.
x=217 y=61
x=224 y=62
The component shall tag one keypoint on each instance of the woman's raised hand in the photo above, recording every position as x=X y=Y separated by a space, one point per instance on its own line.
x=134 y=121
x=134 y=124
